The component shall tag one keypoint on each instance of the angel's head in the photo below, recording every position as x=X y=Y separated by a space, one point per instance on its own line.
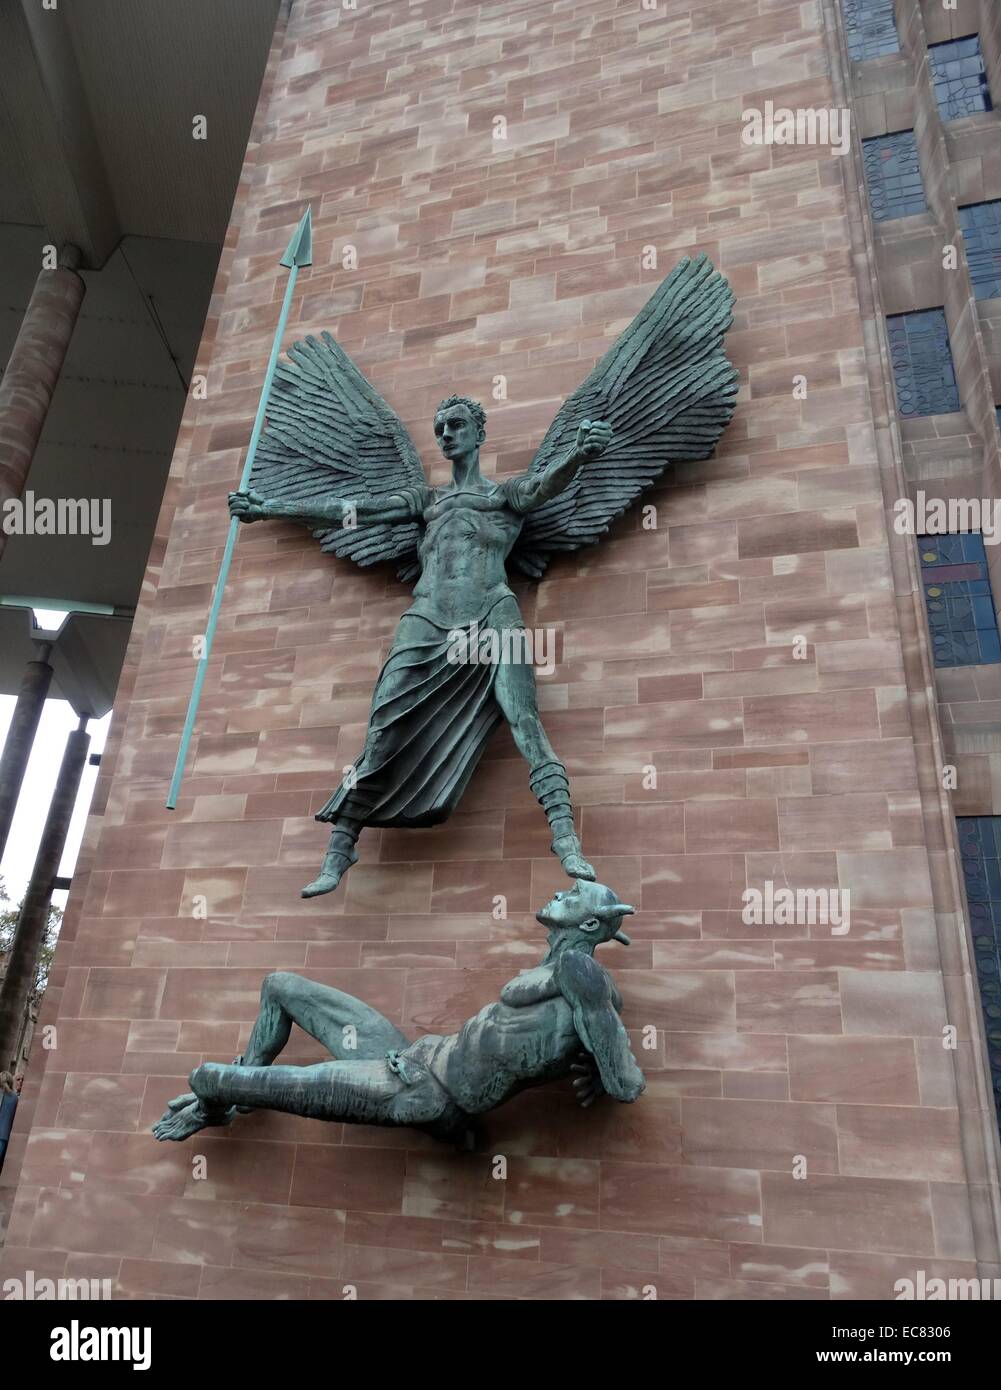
x=460 y=427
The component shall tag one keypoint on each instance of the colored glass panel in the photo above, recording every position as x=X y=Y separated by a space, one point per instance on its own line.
x=922 y=363
x=958 y=599
x=981 y=224
x=870 y=28
x=959 y=78
x=893 y=175
x=980 y=856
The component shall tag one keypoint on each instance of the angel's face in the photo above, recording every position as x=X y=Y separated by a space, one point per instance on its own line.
x=457 y=433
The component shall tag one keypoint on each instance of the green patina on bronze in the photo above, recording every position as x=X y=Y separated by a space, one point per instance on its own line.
x=560 y=1018
x=336 y=457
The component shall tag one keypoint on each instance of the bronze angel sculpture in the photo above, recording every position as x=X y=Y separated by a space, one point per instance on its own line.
x=336 y=457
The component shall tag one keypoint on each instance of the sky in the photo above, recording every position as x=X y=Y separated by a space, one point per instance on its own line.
x=39 y=783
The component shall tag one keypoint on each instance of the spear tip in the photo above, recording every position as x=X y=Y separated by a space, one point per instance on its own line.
x=299 y=251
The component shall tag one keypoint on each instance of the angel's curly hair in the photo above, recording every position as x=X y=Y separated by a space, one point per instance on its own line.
x=475 y=409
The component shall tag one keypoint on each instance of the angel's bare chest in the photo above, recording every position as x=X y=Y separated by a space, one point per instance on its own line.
x=464 y=518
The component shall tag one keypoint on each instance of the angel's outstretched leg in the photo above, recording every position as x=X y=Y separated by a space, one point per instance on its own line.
x=401 y=688
x=515 y=692
x=340 y=855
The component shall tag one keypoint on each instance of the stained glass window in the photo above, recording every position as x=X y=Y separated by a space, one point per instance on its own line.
x=959 y=77
x=870 y=28
x=893 y=175
x=980 y=855
x=961 y=616
x=922 y=363
x=981 y=224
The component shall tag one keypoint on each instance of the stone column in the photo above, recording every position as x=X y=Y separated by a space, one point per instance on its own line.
x=31 y=375
x=21 y=735
x=29 y=934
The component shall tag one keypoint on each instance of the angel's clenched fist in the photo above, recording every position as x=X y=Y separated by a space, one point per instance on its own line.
x=247 y=506
x=593 y=438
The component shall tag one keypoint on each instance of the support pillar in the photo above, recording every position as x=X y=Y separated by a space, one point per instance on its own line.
x=32 y=372
x=29 y=934
x=21 y=735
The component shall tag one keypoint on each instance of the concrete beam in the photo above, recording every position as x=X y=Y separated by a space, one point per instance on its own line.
x=46 y=106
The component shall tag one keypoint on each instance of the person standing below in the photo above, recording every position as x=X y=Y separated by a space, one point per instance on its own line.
x=8 y=1106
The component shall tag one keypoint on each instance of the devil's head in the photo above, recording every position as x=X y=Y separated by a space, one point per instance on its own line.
x=586 y=914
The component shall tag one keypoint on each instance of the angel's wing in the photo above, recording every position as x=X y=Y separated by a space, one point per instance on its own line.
x=668 y=392
x=330 y=432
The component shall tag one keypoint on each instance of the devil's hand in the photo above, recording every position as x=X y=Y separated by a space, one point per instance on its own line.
x=587 y=1080
x=593 y=438
x=247 y=506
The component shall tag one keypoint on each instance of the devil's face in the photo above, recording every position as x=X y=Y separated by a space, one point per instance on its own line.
x=566 y=909
x=584 y=913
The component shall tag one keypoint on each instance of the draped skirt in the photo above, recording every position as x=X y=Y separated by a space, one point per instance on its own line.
x=431 y=718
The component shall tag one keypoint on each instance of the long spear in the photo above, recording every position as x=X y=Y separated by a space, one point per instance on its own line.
x=298 y=253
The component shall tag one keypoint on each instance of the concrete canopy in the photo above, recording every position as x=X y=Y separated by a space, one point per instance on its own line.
x=96 y=149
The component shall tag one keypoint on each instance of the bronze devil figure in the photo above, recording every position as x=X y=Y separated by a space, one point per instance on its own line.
x=559 y=1018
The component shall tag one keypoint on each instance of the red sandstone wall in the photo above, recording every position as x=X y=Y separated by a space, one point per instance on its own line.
x=523 y=258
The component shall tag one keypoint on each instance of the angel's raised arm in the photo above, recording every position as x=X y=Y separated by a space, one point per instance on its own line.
x=531 y=490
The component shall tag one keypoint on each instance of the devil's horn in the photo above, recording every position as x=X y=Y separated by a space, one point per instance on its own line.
x=609 y=911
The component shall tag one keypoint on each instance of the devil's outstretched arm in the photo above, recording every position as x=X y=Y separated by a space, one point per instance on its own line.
x=587 y=988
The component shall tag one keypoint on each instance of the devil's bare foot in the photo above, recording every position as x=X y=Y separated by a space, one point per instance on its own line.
x=336 y=863
x=187 y=1119
x=567 y=849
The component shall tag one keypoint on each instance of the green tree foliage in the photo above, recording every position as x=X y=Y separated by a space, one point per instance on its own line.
x=8 y=921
